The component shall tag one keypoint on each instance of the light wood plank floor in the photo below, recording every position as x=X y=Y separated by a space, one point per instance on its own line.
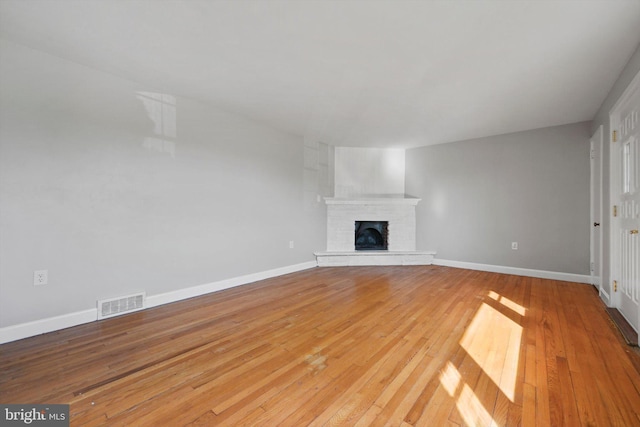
x=400 y=346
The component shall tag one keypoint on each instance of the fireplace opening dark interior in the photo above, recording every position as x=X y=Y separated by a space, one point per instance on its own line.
x=372 y=235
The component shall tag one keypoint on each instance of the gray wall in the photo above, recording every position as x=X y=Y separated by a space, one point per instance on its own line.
x=602 y=118
x=366 y=172
x=480 y=195
x=96 y=187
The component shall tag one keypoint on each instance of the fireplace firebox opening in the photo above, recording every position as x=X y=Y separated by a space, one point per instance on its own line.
x=372 y=235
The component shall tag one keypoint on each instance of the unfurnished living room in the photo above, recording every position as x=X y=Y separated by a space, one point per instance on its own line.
x=291 y=213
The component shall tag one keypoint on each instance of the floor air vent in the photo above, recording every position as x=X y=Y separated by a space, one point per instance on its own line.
x=121 y=305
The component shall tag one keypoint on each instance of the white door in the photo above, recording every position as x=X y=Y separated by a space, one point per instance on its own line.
x=625 y=162
x=596 y=207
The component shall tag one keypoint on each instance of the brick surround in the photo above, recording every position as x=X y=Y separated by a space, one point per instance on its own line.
x=343 y=213
x=399 y=211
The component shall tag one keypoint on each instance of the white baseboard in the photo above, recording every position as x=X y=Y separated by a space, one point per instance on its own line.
x=178 y=295
x=604 y=296
x=541 y=274
x=50 y=324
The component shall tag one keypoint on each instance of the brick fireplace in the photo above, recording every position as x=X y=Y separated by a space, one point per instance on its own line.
x=400 y=215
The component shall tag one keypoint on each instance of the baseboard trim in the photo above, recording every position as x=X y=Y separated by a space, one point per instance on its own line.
x=541 y=274
x=50 y=324
x=181 y=294
x=604 y=296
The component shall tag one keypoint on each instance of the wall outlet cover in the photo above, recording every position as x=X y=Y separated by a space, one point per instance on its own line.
x=40 y=277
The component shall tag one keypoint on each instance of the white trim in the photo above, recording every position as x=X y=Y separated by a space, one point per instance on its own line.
x=50 y=324
x=615 y=255
x=604 y=296
x=194 y=291
x=372 y=201
x=541 y=274
x=596 y=140
x=614 y=225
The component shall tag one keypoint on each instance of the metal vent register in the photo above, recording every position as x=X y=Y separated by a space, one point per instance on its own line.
x=120 y=305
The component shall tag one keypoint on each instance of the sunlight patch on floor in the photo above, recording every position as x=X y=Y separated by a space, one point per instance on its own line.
x=508 y=303
x=493 y=341
x=469 y=406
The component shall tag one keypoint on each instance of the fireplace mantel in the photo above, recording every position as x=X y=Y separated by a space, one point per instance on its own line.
x=390 y=200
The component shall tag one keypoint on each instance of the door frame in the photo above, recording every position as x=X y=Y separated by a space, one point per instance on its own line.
x=614 y=184
x=595 y=207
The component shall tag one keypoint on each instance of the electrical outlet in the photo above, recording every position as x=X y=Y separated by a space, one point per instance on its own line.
x=514 y=246
x=40 y=277
x=290 y=244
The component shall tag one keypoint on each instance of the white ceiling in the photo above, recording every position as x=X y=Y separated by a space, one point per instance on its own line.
x=353 y=73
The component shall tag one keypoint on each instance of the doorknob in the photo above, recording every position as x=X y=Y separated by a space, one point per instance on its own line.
x=596 y=224
x=633 y=231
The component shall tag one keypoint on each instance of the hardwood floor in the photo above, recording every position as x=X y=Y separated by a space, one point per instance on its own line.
x=401 y=346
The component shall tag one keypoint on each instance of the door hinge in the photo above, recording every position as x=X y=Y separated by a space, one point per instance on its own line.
x=615 y=210
x=593 y=154
x=615 y=286
x=614 y=137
